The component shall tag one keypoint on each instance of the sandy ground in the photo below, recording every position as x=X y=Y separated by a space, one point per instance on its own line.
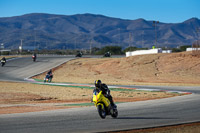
x=26 y=97
x=158 y=69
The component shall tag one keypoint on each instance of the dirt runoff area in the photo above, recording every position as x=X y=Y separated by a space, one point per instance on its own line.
x=27 y=97
x=157 y=69
x=182 y=128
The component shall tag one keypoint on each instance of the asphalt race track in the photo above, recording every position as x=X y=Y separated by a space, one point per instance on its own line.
x=21 y=68
x=135 y=115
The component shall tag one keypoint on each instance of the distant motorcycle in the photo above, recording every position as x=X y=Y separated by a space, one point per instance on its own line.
x=103 y=105
x=34 y=58
x=3 y=62
x=79 y=54
x=107 y=54
x=48 y=78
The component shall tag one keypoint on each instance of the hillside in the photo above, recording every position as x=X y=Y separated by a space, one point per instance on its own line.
x=175 y=69
x=79 y=31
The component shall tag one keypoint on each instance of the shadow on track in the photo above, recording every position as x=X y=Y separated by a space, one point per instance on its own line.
x=42 y=61
x=126 y=118
x=10 y=66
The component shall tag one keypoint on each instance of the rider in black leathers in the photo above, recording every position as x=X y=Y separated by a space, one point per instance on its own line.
x=105 y=91
x=3 y=59
x=34 y=57
x=49 y=74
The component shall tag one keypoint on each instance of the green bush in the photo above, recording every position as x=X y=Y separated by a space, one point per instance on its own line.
x=114 y=50
x=134 y=49
x=181 y=48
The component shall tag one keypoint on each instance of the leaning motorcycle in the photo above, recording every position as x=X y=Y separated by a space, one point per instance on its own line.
x=103 y=105
x=107 y=54
x=34 y=58
x=79 y=55
x=48 y=78
x=3 y=62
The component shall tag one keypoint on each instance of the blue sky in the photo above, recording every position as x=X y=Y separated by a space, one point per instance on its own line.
x=169 y=11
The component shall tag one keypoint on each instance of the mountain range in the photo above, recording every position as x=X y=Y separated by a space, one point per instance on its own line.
x=83 y=31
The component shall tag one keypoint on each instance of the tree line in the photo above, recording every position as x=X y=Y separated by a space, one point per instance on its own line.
x=114 y=50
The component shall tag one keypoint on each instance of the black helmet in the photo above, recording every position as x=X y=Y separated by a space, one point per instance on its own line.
x=98 y=83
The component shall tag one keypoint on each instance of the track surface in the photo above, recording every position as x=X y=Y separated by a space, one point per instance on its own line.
x=21 y=68
x=134 y=115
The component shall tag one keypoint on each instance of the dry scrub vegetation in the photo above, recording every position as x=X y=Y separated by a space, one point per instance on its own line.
x=15 y=93
x=26 y=97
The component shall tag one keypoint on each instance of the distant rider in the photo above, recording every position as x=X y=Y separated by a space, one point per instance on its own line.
x=49 y=74
x=3 y=59
x=34 y=56
x=80 y=54
x=99 y=86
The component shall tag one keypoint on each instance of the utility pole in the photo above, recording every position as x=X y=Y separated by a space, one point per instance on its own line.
x=35 y=41
x=154 y=25
x=196 y=45
x=119 y=36
x=130 y=39
x=91 y=47
x=197 y=32
x=75 y=44
x=143 y=39
x=21 y=42
x=21 y=46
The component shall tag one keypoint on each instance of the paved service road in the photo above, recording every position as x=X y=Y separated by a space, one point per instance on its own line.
x=142 y=114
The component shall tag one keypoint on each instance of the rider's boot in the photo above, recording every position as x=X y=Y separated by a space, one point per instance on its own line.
x=112 y=104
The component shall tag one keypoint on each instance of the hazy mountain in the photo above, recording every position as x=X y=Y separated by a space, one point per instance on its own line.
x=84 y=30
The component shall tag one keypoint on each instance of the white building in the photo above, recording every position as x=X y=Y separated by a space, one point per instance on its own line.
x=191 y=49
x=150 y=51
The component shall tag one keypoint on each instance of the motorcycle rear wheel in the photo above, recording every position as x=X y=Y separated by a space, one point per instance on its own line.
x=101 y=111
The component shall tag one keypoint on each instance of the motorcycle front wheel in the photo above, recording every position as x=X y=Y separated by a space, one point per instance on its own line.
x=101 y=111
x=114 y=113
x=2 y=64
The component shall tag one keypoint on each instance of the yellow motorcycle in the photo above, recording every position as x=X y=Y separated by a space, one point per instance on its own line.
x=103 y=105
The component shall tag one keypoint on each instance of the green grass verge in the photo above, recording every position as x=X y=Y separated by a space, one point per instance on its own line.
x=82 y=104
